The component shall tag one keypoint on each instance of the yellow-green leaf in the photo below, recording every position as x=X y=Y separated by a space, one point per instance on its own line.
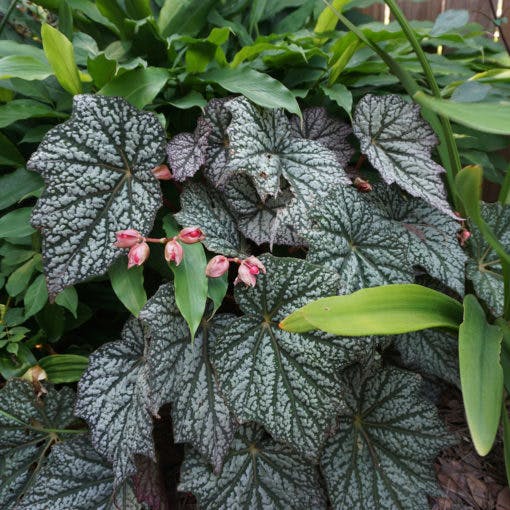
x=328 y=19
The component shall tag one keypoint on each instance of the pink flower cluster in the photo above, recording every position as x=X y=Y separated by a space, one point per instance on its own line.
x=247 y=273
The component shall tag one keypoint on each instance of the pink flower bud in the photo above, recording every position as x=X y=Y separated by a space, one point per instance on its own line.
x=162 y=172
x=138 y=254
x=248 y=270
x=173 y=252
x=127 y=238
x=463 y=236
x=217 y=266
x=191 y=235
x=254 y=264
x=362 y=185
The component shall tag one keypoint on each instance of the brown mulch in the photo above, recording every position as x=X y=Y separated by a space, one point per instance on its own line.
x=468 y=480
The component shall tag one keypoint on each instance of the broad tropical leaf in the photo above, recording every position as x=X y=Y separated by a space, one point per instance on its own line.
x=206 y=208
x=286 y=381
x=199 y=413
x=382 y=455
x=26 y=425
x=97 y=168
x=431 y=352
x=262 y=146
x=431 y=235
x=331 y=133
x=77 y=477
x=258 y=474
x=186 y=151
x=484 y=267
x=398 y=143
x=351 y=237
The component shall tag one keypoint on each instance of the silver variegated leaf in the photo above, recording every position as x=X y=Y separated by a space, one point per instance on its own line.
x=484 y=267
x=97 y=169
x=76 y=477
x=431 y=352
x=186 y=152
x=382 y=455
x=258 y=474
x=262 y=146
x=257 y=220
x=432 y=235
x=398 y=143
x=113 y=397
x=26 y=425
x=331 y=133
x=218 y=118
x=286 y=381
x=199 y=413
x=351 y=236
x=205 y=207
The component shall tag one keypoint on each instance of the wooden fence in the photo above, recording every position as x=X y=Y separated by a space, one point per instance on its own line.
x=480 y=11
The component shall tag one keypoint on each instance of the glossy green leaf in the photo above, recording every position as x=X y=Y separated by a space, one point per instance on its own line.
x=18 y=280
x=101 y=68
x=139 y=86
x=128 y=285
x=9 y=156
x=36 y=296
x=216 y=290
x=488 y=117
x=16 y=223
x=20 y=109
x=64 y=368
x=481 y=375
x=384 y=310
x=65 y=19
x=60 y=54
x=190 y=281
x=25 y=67
x=341 y=95
x=183 y=16
x=68 y=299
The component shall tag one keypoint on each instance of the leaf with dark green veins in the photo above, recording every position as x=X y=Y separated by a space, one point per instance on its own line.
x=398 y=143
x=382 y=455
x=128 y=285
x=258 y=474
x=76 y=476
x=97 y=168
x=481 y=375
x=26 y=425
x=285 y=381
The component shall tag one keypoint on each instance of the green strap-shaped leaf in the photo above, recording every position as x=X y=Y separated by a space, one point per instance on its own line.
x=481 y=375
x=398 y=143
x=258 y=474
x=199 y=413
x=386 y=310
x=77 y=477
x=28 y=428
x=349 y=235
x=287 y=382
x=128 y=285
x=382 y=454
x=64 y=368
x=97 y=168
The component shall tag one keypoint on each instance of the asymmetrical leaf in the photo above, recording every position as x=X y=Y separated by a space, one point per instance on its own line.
x=484 y=267
x=382 y=455
x=199 y=413
x=258 y=220
x=113 y=397
x=431 y=235
x=356 y=240
x=431 y=352
x=259 y=473
x=97 y=168
x=77 y=477
x=206 y=208
x=24 y=435
x=285 y=381
x=398 y=143
x=262 y=146
x=186 y=151
x=331 y=133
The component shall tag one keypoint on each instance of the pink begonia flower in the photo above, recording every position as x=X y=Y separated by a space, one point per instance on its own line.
x=463 y=236
x=217 y=266
x=127 y=238
x=162 y=172
x=191 y=235
x=248 y=270
x=138 y=254
x=173 y=252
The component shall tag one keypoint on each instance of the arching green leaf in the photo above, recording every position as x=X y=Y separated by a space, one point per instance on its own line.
x=259 y=473
x=287 y=382
x=128 y=285
x=382 y=455
x=97 y=169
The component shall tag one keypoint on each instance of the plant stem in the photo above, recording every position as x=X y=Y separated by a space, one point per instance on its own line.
x=7 y=14
x=501 y=33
